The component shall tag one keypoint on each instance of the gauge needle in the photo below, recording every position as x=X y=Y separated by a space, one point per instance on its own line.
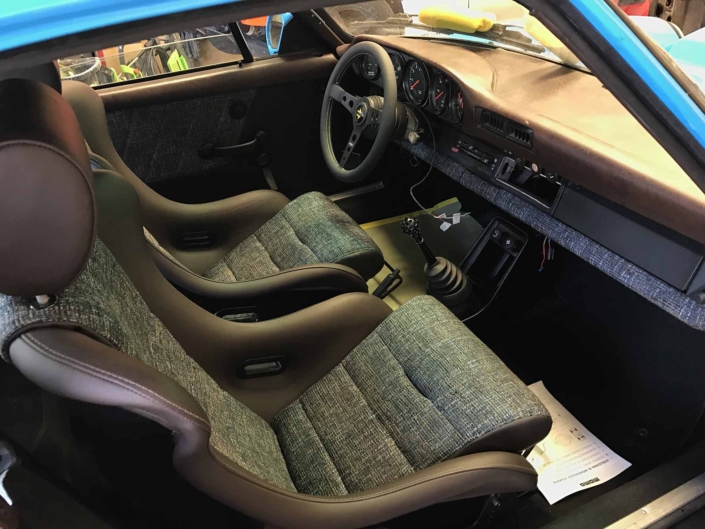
x=439 y=95
x=414 y=85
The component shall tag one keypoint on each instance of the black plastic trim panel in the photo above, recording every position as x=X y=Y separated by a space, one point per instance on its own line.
x=662 y=256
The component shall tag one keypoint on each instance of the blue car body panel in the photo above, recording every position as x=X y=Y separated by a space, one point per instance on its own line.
x=30 y=21
x=633 y=51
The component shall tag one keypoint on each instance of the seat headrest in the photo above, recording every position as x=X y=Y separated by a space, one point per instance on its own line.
x=47 y=211
x=47 y=73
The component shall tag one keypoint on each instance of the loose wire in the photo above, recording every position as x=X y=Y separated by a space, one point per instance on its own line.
x=430 y=165
x=543 y=252
x=428 y=173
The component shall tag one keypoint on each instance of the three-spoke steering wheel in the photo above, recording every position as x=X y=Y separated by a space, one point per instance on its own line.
x=369 y=114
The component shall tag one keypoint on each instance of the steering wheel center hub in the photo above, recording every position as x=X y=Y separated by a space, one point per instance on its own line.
x=361 y=113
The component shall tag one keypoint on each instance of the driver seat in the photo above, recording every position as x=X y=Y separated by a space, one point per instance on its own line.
x=257 y=245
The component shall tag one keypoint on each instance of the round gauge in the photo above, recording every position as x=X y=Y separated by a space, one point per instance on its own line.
x=457 y=105
x=369 y=67
x=416 y=82
x=440 y=93
x=398 y=63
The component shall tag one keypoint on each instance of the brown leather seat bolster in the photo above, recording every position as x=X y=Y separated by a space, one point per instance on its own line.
x=513 y=437
x=369 y=263
x=468 y=476
x=336 y=279
x=232 y=220
x=71 y=364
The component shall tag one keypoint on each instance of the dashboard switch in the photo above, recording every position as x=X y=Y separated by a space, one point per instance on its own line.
x=507 y=241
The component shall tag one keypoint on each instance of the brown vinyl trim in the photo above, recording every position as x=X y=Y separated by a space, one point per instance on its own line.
x=290 y=68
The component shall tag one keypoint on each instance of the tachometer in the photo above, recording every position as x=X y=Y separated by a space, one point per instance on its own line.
x=369 y=67
x=440 y=93
x=416 y=82
x=457 y=106
x=398 y=63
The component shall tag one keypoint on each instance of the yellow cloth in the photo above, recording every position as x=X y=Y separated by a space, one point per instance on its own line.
x=457 y=19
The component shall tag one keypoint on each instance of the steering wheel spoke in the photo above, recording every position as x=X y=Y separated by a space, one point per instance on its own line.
x=349 y=101
x=350 y=145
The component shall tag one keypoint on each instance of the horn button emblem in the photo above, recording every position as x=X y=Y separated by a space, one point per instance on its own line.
x=360 y=113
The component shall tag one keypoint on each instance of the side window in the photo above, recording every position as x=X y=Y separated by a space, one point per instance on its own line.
x=163 y=54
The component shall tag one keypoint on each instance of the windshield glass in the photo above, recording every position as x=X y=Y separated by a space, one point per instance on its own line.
x=499 y=23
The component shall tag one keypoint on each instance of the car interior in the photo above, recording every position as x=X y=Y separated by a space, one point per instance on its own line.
x=318 y=289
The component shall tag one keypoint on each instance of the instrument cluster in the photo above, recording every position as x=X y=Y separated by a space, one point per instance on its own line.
x=422 y=86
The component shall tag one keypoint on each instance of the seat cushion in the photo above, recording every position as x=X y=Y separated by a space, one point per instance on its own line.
x=309 y=230
x=416 y=392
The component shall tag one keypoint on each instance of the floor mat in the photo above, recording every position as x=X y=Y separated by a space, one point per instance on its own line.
x=401 y=252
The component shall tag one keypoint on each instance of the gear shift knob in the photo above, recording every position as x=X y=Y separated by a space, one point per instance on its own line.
x=410 y=226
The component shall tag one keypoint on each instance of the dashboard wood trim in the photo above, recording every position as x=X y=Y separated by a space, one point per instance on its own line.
x=640 y=175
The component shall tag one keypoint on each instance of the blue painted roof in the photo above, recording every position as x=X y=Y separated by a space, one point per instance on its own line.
x=24 y=22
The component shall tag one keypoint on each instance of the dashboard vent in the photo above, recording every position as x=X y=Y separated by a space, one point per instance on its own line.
x=519 y=134
x=493 y=122
x=506 y=127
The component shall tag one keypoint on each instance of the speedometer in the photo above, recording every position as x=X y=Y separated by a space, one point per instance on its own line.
x=416 y=82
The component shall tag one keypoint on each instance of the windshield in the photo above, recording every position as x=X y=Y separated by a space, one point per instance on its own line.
x=498 y=23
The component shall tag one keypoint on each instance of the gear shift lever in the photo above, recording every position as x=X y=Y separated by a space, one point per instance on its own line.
x=445 y=281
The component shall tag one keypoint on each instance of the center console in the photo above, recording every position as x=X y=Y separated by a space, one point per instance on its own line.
x=519 y=176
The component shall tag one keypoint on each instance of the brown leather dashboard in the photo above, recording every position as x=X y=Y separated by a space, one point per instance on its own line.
x=580 y=129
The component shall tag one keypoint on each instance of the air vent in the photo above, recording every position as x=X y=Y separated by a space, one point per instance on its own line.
x=507 y=128
x=196 y=240
x=520 y=134
x=493 y=122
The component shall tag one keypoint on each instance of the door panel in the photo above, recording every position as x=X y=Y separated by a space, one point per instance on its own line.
x=158 y=126
x=160 y=141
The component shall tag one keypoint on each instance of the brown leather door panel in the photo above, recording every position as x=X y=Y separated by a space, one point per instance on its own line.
x=158 y=126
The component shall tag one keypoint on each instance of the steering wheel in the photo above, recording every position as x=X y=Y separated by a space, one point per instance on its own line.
x=372 y=116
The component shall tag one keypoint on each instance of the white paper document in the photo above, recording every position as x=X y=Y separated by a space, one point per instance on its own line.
x=570 y=458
